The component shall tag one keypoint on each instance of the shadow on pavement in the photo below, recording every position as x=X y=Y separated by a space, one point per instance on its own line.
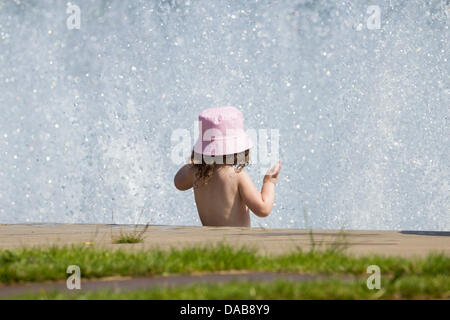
x=428 y=233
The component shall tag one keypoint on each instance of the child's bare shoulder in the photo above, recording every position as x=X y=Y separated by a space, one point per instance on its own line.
x=241 y=175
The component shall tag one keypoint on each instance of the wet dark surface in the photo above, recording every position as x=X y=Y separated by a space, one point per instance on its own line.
x=149 y=282
x=428 y=233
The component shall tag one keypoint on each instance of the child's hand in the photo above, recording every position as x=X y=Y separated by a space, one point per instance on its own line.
x=272 y=173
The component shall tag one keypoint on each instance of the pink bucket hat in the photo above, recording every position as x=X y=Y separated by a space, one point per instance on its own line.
x=221 y=132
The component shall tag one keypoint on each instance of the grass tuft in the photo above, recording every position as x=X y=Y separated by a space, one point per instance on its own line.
x=135 y=236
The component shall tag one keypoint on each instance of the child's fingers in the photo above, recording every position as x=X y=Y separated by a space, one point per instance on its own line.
x=277 y=172
x=275 y=169
x=276 y=165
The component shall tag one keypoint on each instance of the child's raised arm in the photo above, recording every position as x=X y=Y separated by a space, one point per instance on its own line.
x=260 y=203
x=184 y=178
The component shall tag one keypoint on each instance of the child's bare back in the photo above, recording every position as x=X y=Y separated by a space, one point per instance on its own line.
x=228 y=195
x=219 y=202
x=223 y=192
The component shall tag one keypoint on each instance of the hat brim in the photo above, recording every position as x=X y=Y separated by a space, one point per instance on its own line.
x=225 y=146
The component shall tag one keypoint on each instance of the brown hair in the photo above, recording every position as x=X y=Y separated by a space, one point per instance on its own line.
x=204 y=166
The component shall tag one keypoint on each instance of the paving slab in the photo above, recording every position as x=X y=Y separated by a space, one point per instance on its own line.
x=268 y=241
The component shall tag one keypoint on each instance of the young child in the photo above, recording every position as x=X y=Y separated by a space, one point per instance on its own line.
x=223 y=192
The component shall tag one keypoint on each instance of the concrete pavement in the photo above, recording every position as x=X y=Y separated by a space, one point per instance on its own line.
x=273 y=241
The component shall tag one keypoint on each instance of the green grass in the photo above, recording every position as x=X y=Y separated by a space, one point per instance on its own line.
x=411 y=287
x=42 y=264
